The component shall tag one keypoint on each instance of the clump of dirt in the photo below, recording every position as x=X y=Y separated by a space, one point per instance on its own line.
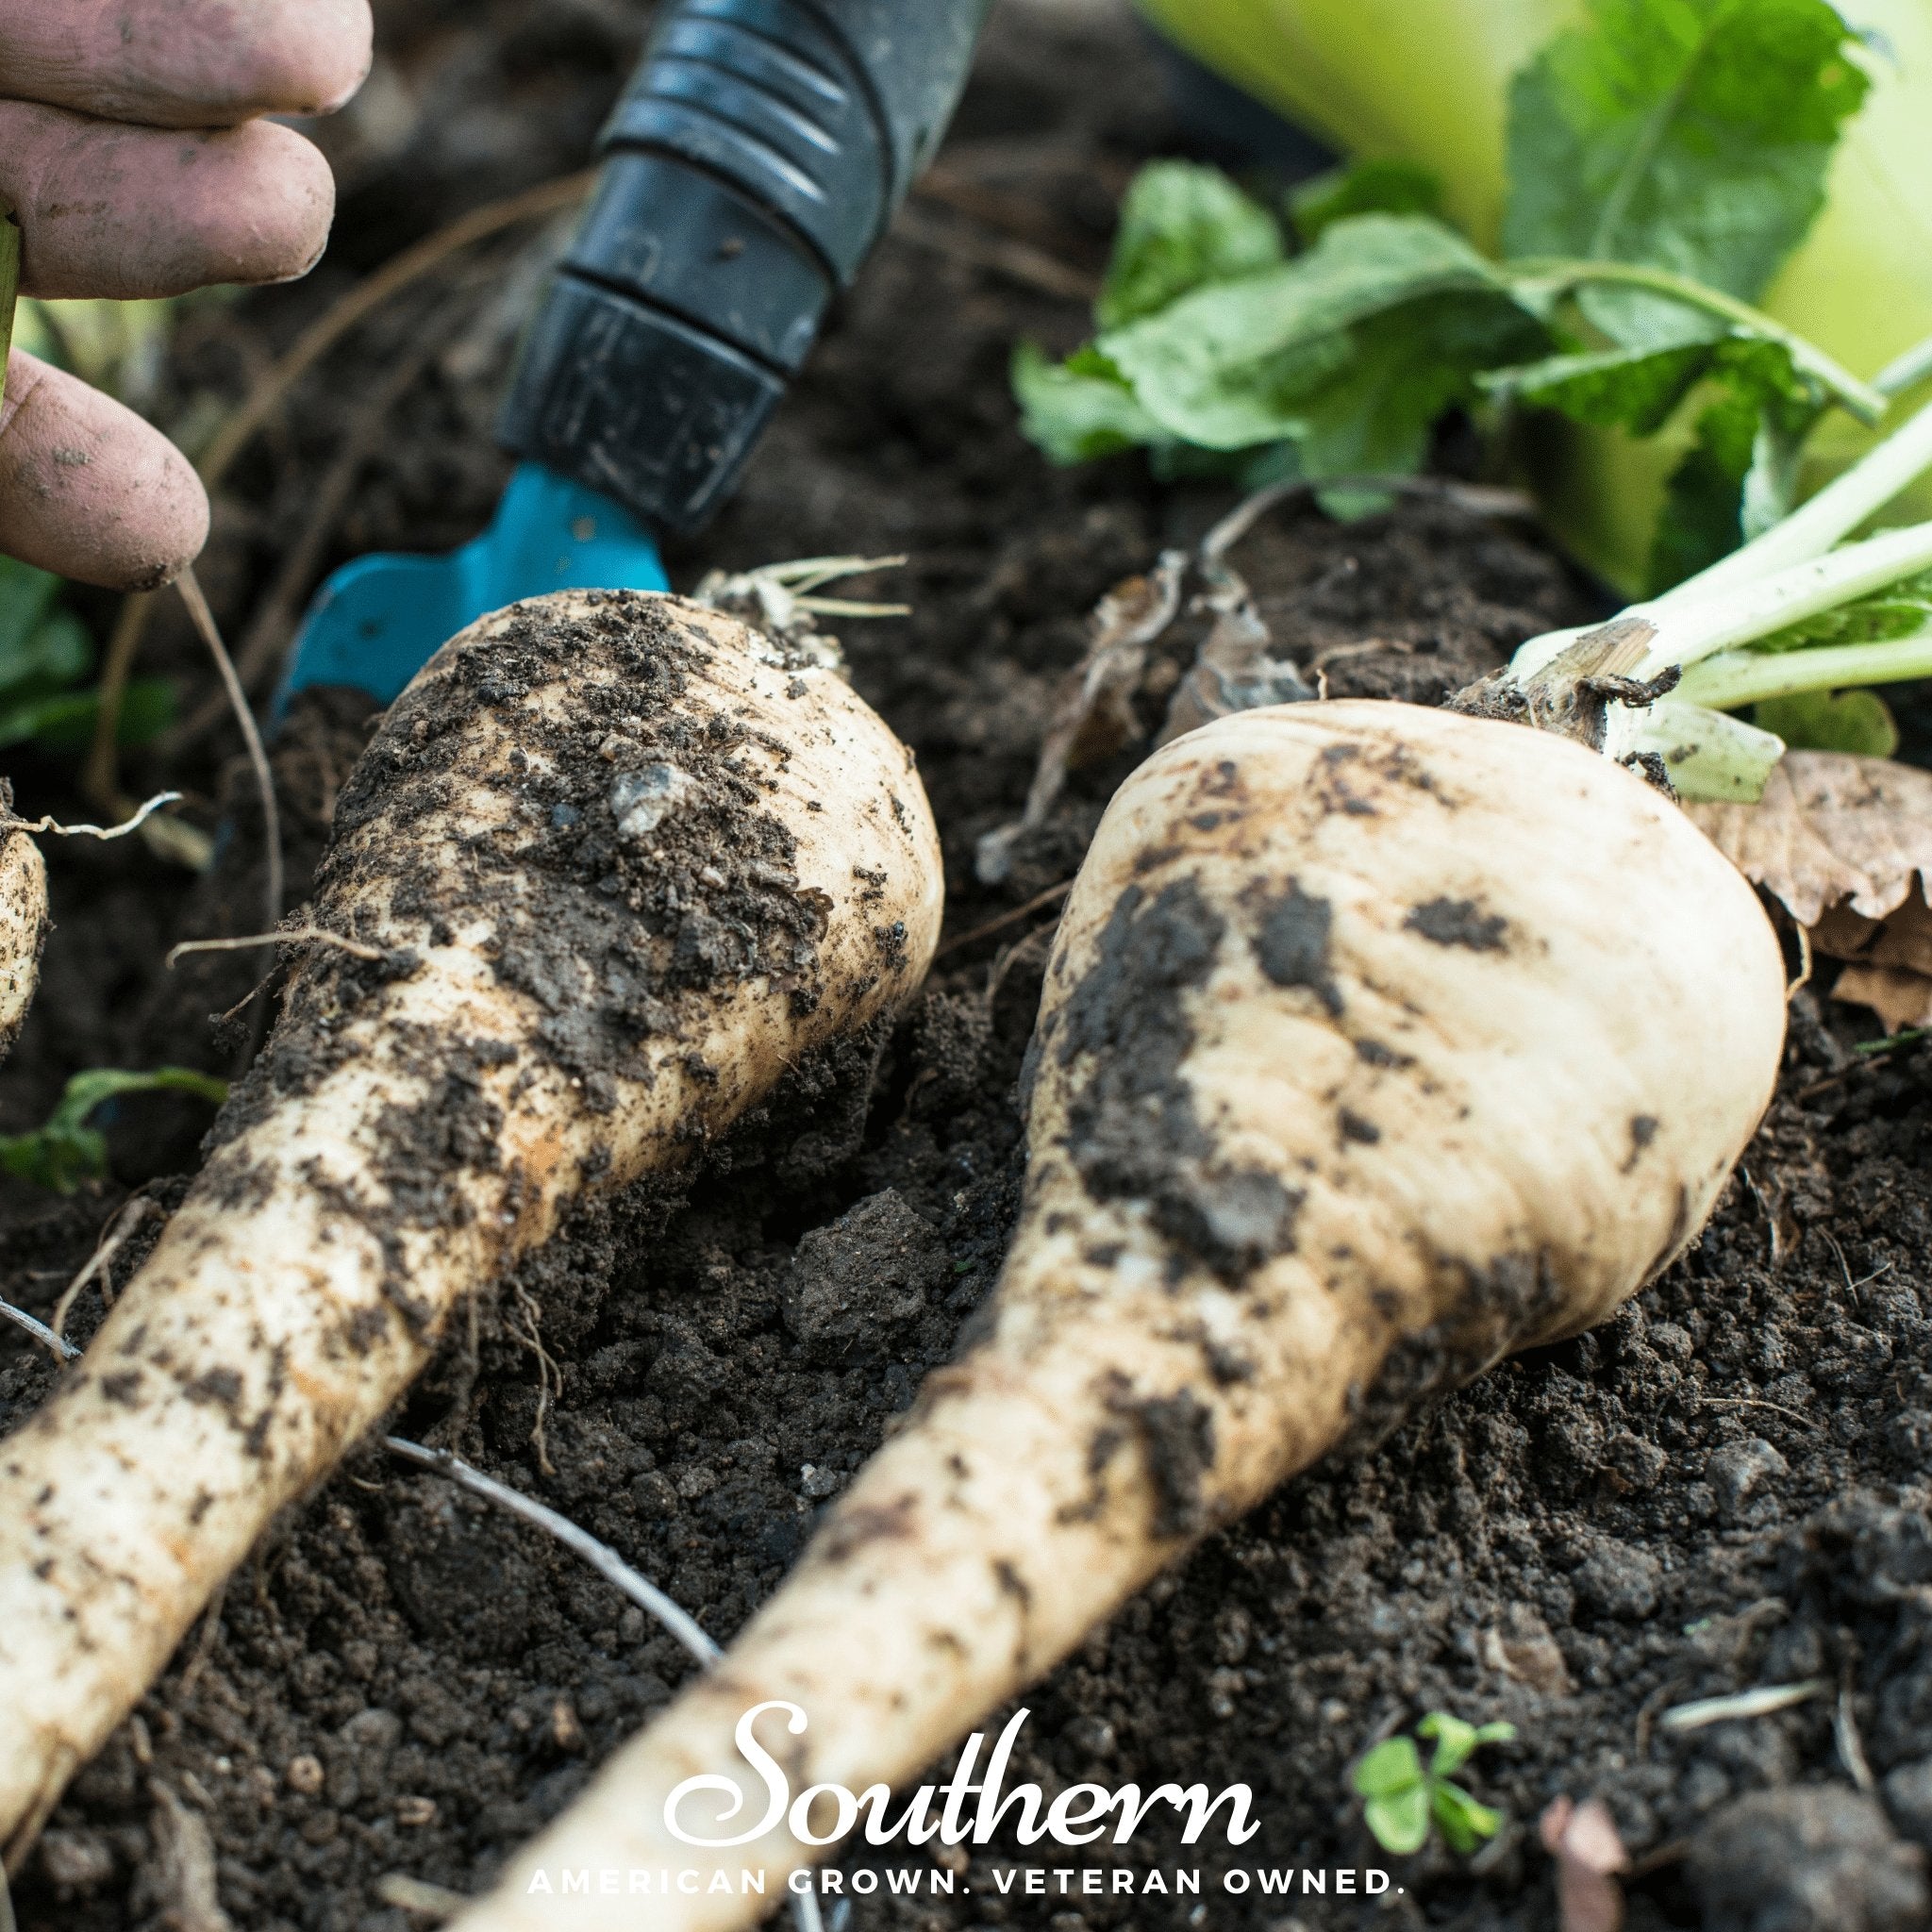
x=1722 y=1489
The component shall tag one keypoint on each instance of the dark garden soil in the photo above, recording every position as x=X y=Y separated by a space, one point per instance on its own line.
x=1722 y=1488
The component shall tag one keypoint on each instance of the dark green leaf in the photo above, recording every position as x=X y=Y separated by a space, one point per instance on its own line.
x=1692 y=135
x=1376 y=416
x=26 y=595
x=1701 y=518
x=1616 y=388
x=1365 y=188
x=1182 y=225
x=65 y=720
x=1240 y=363
x=66 y=1151
x=1856 y=721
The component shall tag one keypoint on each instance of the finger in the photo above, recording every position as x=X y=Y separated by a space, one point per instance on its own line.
x=107 y=209
x=185 y=64
x=88 y=489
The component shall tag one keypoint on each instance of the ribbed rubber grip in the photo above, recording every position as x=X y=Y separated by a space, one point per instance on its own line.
x=753 y=163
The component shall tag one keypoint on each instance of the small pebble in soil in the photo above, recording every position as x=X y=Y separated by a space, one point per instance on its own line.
x=305 y=1775
x=641 y=801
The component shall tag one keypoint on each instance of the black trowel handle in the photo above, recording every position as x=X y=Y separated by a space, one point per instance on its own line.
x=754 y=161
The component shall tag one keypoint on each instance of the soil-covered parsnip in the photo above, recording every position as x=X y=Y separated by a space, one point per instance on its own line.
x=623 y=862
x=1377 y=1042
x=23 y=921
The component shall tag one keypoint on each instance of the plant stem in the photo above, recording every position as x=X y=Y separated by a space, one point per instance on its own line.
x=1829 y=517
x=1686 y=636
x=1747 y=677
x=1563 y=276
x=9 y=287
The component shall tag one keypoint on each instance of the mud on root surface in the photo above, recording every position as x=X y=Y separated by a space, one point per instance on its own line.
x=1721 y=1489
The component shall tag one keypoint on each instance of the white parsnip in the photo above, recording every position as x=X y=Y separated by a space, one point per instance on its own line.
x=624 y=862
x=1376 y=1043
x=22 y=923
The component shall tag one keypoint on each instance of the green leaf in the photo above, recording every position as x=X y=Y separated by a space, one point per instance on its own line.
x=1613 y=389
x=1182 y=225
x=1692 y=135
x=1463 y=1822
x=1365 y=188
x=65 y=720
x=1759 y=390
x=1377 y=415
x=26 y=598
x=1455 y=1741
x=1238 y=363
x=1902 y=609
x=66 y=1151
x=1391 y=1767
x=1078 y=409
x=1854 y=721
x=1401 y=1821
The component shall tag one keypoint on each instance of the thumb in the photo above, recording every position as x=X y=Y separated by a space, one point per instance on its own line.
x=88 y=489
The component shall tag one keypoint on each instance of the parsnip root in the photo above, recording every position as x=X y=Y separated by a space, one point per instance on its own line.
x=626 y=862
x=1377 y=1042
x=24 y=924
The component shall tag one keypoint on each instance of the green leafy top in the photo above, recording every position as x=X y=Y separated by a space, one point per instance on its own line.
x=1665 y=160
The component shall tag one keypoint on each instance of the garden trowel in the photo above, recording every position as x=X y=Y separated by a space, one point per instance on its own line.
x=756 y=157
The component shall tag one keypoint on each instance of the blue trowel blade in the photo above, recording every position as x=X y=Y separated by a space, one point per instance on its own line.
x=377 y=620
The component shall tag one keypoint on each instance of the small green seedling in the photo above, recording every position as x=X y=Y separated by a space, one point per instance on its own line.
x=1402 y=1797
x=66 y=1151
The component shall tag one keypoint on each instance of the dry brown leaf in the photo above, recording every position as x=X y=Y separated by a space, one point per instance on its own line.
x=1844 y=843
x=1831 y=827
x=1584 y=1840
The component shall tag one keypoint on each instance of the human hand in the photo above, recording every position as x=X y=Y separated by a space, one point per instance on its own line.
x=133 y=148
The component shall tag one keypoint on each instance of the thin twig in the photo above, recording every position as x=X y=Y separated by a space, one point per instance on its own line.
x=599 y=1555
x=1844 y=1734
x=64 y=1351
x=294 y=936
x=268 y=395
x=265 y=640
x=204 y=617
x=367 y=296
x=1762 y=1701
x=1007 y=918
x=1019 y=262
x=9 y=824
x=130 y=1217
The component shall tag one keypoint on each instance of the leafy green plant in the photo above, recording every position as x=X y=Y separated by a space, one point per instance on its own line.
x=46 y=656
x=1403 y=1797
x=66 y=1151
x=1665 y=160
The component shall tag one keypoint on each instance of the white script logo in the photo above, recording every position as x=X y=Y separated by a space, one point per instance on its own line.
x=1078 y=1816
